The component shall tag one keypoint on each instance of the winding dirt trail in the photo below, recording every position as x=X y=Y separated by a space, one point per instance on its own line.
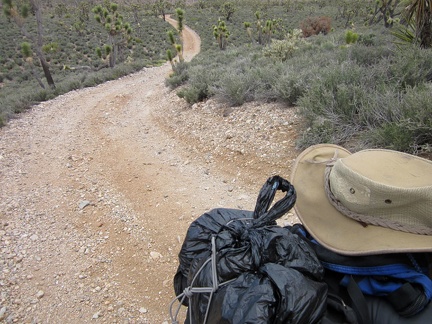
x=95 y=200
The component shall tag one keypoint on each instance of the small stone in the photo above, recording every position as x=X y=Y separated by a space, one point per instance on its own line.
x=3 y=313
x=83 y=204
x=243 y=197
x=97 y=315
x=34 y=237
x=40 y=294
x=143 y=310
x=155 y=255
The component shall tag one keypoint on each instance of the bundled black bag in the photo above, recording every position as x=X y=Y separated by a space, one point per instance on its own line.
x=239 y=267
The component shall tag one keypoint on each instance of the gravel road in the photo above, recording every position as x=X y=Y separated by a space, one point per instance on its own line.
x=98 y=188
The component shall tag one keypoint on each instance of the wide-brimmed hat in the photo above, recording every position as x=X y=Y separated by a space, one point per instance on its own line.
x=369 y=202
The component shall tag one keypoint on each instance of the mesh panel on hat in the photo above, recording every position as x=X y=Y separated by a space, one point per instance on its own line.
x=362 y=195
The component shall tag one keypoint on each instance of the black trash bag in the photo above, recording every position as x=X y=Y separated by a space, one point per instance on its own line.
x=238 y=266
x=272 y=294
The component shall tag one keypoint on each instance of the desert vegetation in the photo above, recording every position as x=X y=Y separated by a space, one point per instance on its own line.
x=84 y=43
x=359 y=72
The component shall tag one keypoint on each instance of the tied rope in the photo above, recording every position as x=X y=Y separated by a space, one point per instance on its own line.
x=363 y=219
x=188 y=292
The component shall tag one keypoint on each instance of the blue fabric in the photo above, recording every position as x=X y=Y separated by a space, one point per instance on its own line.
x=371 y=285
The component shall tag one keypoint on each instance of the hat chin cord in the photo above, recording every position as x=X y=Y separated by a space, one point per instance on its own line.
x=366 y=220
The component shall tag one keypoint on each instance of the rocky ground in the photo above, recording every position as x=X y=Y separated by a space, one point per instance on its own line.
x=99 y=186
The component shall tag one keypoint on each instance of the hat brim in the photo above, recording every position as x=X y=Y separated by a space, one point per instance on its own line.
x=334 y=230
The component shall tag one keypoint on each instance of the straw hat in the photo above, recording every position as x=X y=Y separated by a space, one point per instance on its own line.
x=375 y=201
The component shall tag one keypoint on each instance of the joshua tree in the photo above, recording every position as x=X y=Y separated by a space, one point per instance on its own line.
x=180 y=24
x=28 y=57
x=177 y=47
x=228 y=9
x=118 y=31
x=221 y=33
x=18 y=12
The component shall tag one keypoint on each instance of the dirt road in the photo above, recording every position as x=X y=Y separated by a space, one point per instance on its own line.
x=98 y=188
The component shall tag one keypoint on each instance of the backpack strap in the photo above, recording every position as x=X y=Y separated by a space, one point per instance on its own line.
x=358 y=301
x=338 y=312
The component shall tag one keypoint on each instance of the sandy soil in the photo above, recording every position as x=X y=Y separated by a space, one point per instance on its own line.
x=99 y=186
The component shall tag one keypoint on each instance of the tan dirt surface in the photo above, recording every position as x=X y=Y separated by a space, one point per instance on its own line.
x=98 y=188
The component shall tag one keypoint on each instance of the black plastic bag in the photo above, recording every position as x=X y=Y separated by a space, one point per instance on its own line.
x=239 y=267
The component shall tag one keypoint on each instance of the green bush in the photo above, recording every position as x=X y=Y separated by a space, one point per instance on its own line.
x=263 y=81
x=234 y=88
x=179 y=75
x=408 y=127
x=293 y=82
x=351 y=37
x=191 y=95
x=334 y=102
x=411 y=67
x=367 y=56
x=200 y=85
x=282 y=50
x=367 y=40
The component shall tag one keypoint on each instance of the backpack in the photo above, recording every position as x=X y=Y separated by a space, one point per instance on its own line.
x=396 y=284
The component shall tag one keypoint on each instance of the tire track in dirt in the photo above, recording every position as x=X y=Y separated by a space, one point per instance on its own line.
x=113 y=258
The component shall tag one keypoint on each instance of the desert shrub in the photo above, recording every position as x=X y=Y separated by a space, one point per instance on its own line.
x=18 y=102
x=234 y=87
x=315 y=25
x=294 y=81
x=412 y=66
x=200 y=85
x=406 y=124
x=282 y=50
x=385 y=103
x=323 y=131
x=351 y=37
x=368 y=56
x=73 y=84
x=192 y=94
x=178 y=76
x=263 y=77
x=395 y=136
x=334 y=101
x=367 y=39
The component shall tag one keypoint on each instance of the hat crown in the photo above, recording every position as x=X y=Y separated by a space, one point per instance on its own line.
x=387 y=188
x=391 y=168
